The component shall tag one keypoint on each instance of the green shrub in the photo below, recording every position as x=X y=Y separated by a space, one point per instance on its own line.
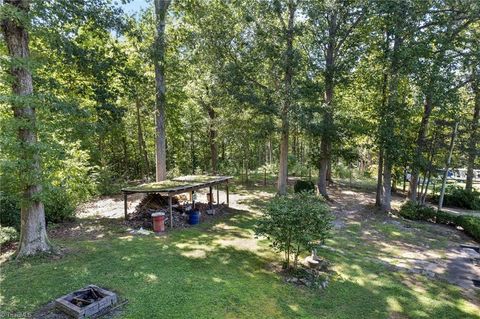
x=446 y=218
x=456 y=196
x=10 y=215
x=470 y=224
x=7 y=234
x=295 y=224
x=341 y=170
x=303 y=186
x=58 y=205
x=412 y=210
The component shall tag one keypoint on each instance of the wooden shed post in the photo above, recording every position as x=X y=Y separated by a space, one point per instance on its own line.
x=210 y=197
x=170 y=210
x=125 y=194
x=218 y=196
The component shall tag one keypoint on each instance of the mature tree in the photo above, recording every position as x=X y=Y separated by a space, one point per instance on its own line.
x=397 y=23
x=161 y=7
x=334 y=25
x=472 y=61
x=33 y=235
x=287 y=28
x=435 y=69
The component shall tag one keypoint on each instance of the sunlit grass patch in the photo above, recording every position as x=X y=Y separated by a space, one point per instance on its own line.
x=219 y=270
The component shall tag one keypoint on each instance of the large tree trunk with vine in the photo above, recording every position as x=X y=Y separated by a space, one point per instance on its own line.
x=161 y=7
x=288 y=75
x=33 y=234
x=474 y=136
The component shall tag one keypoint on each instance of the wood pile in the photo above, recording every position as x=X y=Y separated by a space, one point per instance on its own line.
x=151 y=203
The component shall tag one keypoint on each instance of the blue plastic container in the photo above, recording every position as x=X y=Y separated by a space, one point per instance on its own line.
x=194 y=217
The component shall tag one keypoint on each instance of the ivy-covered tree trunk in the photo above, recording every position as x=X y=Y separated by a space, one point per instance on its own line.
x=288 y=64
x=33 y=235
x=474 y=136
x=161 y=7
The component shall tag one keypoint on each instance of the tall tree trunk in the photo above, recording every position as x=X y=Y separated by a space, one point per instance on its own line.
x=288 y=61
x=387 y=185
x=388 y=125
x=428 y=173
x=422 y=132
x=212 y=138
x=125 y=154
x=161 y=7
x=474 y=136
x=33 y=234
x=379 y=191
x=192 y=151
x=326 y=142
x=142 y=149
x=447 y=166
x=283 y=163
x=270 y=150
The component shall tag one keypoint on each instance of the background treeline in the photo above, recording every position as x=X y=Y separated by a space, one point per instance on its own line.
x=373 y=86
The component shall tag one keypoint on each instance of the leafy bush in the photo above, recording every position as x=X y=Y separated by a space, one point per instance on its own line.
x=303 y=186
x=341 y=170
x=57 y=203
x=8 y=234
x=470 y=224
x=106 y=181
x=446 y=218
x=295 y=224
x=458 y=197
x=412 y=210
x=66 y=183
x=10 y=215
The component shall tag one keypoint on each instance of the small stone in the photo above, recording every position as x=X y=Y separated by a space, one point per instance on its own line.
x=324 y=284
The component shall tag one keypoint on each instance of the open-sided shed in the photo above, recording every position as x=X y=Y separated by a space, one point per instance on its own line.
x=179 y=185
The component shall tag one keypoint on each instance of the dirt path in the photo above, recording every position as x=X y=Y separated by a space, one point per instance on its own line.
x=416 y=247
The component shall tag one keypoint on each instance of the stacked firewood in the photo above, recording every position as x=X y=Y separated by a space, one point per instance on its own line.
x=142 y=216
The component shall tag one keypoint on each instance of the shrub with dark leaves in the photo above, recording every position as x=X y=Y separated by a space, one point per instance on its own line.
x=458 y=197
x=303 y=186
x=414 y=211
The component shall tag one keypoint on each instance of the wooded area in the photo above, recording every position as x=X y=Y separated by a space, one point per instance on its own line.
x=93 y=98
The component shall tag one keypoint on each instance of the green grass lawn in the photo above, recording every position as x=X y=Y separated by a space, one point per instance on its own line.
x=219 y=270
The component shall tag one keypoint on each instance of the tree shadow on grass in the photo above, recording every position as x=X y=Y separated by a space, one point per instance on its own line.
x=218 y=270
x=161 y=278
